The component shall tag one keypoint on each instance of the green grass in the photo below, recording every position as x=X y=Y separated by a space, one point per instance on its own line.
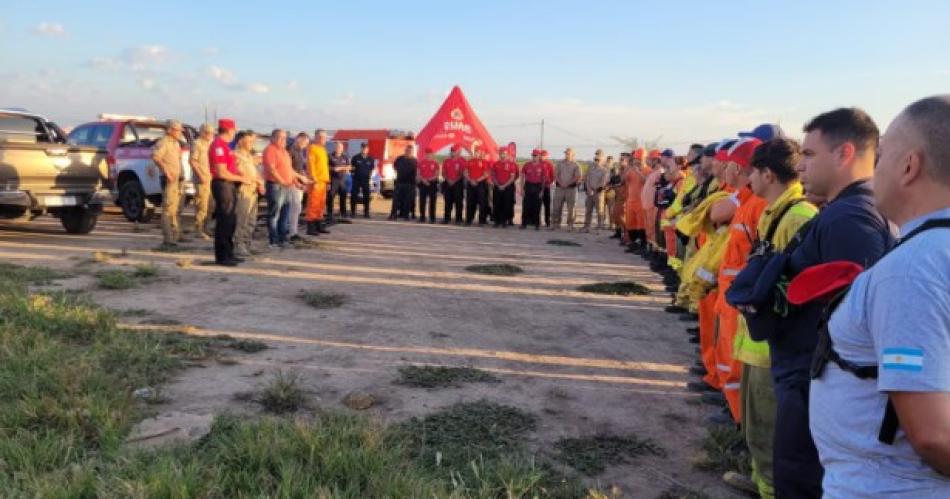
x=247 y=346
x=724 y=450
x=67 y=374
x=591 y=455
x=622 y=288
x=145 y=271
x=495 y=269
x=562 y=242
x=323 y=299
x=282 y=394
x=30 y=275
x=441 y=376
x=121 y=279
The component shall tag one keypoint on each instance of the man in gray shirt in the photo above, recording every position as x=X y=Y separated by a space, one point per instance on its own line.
x=595 y=181
x=894 y=327
x=567 y=174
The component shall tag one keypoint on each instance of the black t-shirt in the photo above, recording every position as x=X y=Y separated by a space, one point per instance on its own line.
x=406 y=169
x=298 y=159
x=363 y=166
x=335 y=161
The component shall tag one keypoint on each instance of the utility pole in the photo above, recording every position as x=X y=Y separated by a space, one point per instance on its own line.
x=542 y=133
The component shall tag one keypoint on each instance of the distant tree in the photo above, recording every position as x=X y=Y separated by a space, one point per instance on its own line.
x=631 y=143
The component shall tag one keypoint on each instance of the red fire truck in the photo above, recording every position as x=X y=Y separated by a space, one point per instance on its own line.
x=384 y=145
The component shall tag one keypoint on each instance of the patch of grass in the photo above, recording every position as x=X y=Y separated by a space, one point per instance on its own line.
x=495 y=269
x=115 y=279
x=282 y=393
x=170 y=248
x=323 y=299
x=30 y=275
x=562 y=242
x=622 y=288
x=101 y=257
x=247 y=346
x=441 y=376
x=145 y=271
x=591 y=455
x=184 y=263
x=724 y=450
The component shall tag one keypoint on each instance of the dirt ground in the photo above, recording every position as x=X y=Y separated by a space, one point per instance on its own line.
x=583 y=363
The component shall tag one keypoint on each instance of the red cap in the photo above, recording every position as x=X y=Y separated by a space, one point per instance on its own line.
x=639 y=153
x=822 y=281
x=742 y=153
x=428 y=150
x=721 y=155
x=543 y=152
x=227 y=124
x=456 y=148
x=536 y=152
x=654 y=154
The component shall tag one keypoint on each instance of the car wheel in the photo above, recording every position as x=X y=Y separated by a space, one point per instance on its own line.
x=133 y=202
x=79 y=220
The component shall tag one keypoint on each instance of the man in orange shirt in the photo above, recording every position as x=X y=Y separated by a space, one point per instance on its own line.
x=742 y=232
x=428 y=186
x=504 y=173
x=634 y=213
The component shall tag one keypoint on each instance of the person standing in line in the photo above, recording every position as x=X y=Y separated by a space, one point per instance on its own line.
x=548 y=182
x=428 y=187
x=363 y=165
x=504 y=174
x=280 y=178
x=533 y=179
x=609 y=195
x=339 y=169
x=251 y=187
x=201 y=173
x=453 y=187
x=633 y=205
x=567 y=174
x=298 y=160
x=880 y=388
x=166 y=153
x=620 y=199
x=595 y=182
x=318 y=169
x=406 y=168
x=476 y=185
x=226 y=177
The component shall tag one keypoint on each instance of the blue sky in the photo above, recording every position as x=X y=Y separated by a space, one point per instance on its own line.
x=682 y=71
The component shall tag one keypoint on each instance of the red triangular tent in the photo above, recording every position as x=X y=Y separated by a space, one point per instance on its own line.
x=455 y=123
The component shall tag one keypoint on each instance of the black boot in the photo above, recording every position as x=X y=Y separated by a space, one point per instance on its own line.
x=616 y=234
x=322 y=228
x=312 y=229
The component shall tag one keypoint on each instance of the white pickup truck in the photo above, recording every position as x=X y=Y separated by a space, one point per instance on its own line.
x=133 y=177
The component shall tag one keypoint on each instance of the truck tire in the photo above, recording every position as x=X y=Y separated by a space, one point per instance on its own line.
x=79 y=220
x=133 y=202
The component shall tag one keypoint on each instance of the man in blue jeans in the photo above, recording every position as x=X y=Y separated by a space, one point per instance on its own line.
x=280 y=177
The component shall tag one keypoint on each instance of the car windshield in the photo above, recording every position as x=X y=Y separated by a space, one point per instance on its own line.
x=149 y=134
x=15 y=128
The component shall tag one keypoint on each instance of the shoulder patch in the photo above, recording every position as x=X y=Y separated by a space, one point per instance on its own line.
x=902 y=359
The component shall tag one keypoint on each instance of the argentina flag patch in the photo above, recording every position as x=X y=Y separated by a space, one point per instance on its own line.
x=903 y=359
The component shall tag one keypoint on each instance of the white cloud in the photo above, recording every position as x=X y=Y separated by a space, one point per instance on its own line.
x=292 y=85
x=47 y=28
x=222 y=76
x=147 y=83
x=257 y=88
x=145 y=57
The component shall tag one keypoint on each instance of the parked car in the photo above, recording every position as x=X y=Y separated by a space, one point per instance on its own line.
x=134 y=178
x=41 y=174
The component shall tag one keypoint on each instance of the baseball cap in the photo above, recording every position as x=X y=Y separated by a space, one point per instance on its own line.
x=710 y=150
x=536 y=152
x=428 y=150
x=741 y=154
x=227 y=124
x=456 y=148
x=821 y=282
x=639 y=153
x=764 y=132
x=668 y=153
x=655 y=153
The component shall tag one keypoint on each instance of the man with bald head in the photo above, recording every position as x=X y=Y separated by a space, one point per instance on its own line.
x=888 y=433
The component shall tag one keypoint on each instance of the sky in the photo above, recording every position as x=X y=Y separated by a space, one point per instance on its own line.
x=676 y=71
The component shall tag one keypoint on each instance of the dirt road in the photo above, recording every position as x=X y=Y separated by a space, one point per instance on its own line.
x=583 y=363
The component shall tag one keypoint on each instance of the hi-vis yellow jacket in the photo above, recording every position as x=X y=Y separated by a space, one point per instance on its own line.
x=756 y=353
x=699 y=272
